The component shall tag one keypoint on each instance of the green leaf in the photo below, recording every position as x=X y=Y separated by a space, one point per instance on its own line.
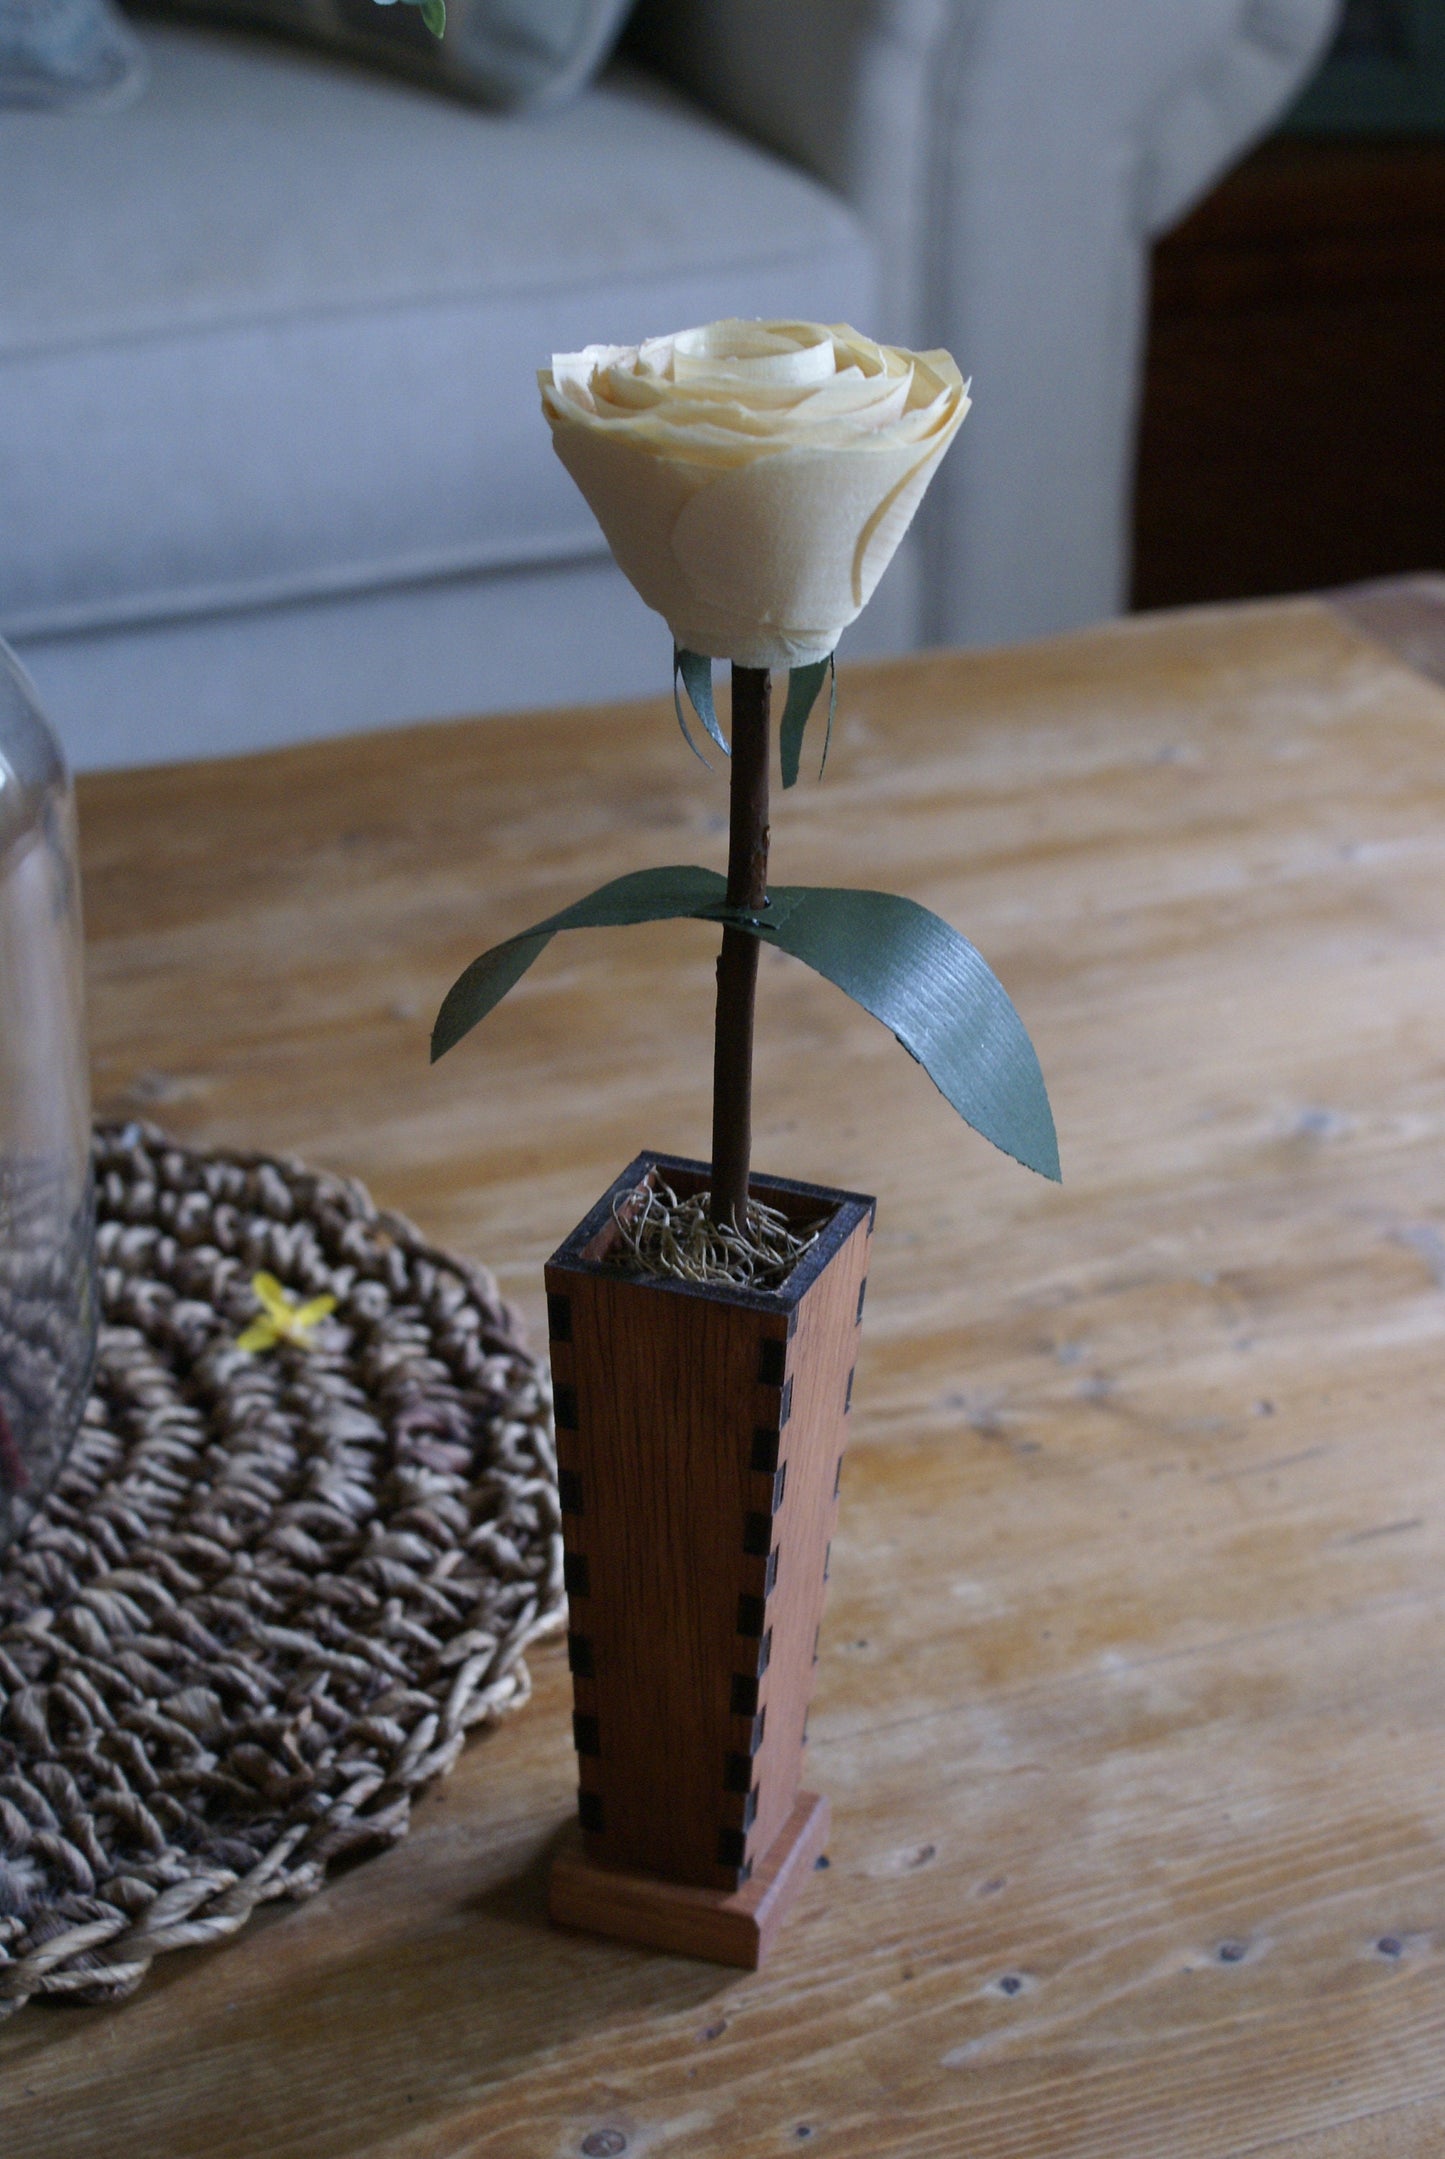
x=682 y=718
x=434 y=15
x=832 y=710
x=903 y=964
x=696 y=672
x=937 y=994
x=804 y=684
x=660 y=895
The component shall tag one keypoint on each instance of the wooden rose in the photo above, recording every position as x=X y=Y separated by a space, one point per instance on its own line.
x=753 y=481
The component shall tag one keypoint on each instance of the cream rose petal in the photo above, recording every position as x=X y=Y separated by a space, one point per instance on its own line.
x=637 y=502
x=773 y=544
x=878 y=541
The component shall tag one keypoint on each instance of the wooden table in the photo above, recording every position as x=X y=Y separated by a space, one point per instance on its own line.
x=1132 y=1700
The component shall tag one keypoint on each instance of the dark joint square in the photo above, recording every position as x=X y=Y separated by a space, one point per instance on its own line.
x=827 y=1560
x=750 y=1808
x=806 y=1714
x=862 y=1293
x=575 y=1574
x=585 y=1736
x=559 y=1317
x=589 y=1811
x=770 y=1579
x=780 y=1485
x=738 y=1773
x=755 y=1736
x=848 y=1393
x=744 y=1695
x=564 y=1403
x=838 y=1477
x=771 y=1358
x=569 y=1490
x=765 y=1652
x=817 y=1637
x=579 y=1656
x=785 y=1407
x=764 y=1457
x=758 y=1534
x=732 y=1846
x=751 y=1611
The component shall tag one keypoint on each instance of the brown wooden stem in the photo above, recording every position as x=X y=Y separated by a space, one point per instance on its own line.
x=737 y=967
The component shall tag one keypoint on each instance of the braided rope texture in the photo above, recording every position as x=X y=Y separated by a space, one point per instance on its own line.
x=269 y=1594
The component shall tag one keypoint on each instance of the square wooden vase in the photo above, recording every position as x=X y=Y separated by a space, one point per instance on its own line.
x=700 y=1436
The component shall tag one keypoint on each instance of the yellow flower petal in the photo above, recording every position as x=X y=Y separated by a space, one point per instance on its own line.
x=282 y=1319
x=270 y=1293
x=308 y=1315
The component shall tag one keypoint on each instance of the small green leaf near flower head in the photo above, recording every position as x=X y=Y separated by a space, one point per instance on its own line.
x=804 y=684
x=434 y=15
x=696 y=671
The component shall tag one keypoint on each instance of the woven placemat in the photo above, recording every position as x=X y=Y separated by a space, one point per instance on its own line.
x=270 y=1592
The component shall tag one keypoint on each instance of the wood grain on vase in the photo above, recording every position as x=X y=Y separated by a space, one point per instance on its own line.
x=700 y=1435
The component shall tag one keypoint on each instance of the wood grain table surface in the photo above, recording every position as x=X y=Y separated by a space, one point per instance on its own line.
x=1132 y=1697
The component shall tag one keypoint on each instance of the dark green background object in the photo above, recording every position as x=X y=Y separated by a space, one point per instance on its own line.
x=1384 y=75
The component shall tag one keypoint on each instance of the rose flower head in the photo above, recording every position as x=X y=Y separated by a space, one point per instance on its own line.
x=753 y=479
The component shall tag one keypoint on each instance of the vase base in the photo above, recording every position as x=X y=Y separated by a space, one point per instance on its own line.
x=722 y=1926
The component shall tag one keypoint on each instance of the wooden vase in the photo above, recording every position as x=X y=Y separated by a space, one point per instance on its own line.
x=700 y=1435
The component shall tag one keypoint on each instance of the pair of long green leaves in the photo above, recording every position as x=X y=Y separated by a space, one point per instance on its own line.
x=897 y=960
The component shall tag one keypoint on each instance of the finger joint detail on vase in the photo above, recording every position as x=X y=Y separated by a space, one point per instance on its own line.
x=699 y=1446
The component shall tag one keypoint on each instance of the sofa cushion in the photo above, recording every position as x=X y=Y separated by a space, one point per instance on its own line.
x=272 y=332
x=507 y=53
